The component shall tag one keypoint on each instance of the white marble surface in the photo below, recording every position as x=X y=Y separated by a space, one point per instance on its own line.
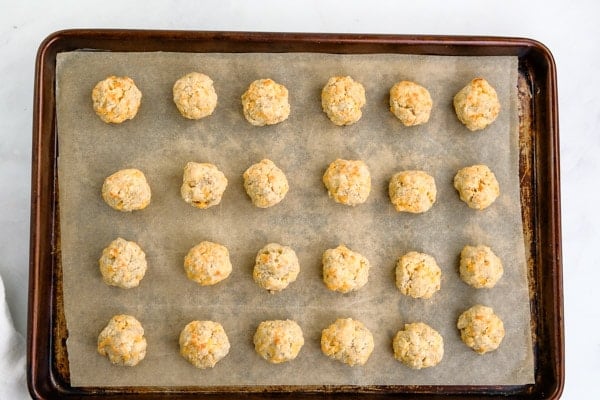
x=569 y=29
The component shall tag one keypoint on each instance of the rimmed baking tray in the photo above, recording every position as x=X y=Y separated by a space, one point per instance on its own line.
x=48 y=368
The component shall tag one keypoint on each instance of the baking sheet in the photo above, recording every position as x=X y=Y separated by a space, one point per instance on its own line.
x=159 y=142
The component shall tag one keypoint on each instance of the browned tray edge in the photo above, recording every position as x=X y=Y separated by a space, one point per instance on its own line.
x=547 y=302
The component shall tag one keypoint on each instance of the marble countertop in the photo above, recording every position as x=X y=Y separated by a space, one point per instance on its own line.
x=569 y=29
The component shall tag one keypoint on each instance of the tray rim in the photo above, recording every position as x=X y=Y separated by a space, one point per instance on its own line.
x=41 y=377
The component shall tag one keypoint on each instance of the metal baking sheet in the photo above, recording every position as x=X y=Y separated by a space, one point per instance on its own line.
x=536 y=68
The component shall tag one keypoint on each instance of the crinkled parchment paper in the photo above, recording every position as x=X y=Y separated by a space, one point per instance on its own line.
x=160 y=142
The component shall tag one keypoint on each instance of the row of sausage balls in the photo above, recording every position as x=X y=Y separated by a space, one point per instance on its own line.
x=347 y=181
x=204 y=343
x=123 y=264
x=265 y=102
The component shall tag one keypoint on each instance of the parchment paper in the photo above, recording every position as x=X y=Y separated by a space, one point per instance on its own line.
x=160 y=142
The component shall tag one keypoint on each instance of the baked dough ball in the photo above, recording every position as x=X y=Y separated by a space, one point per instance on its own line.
x=418 y=346
x=477 y=104
x=347 y=340
x=126 y=190
x=477 y=186
x=480 y=267
x=116 y=99
x=203 y=343
x=203 y=185
x=194 y=95
x=276 y=267
x=265 y=183
x=412 y=191
x=481 y=329
x=348 y=181
x=123 y=264
x=278 y=341
x=344 y=270
x=265 y=103
x=418 y=275
x=342 y=99
x=123 y=341
x=410 y=102
x=207 y=263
